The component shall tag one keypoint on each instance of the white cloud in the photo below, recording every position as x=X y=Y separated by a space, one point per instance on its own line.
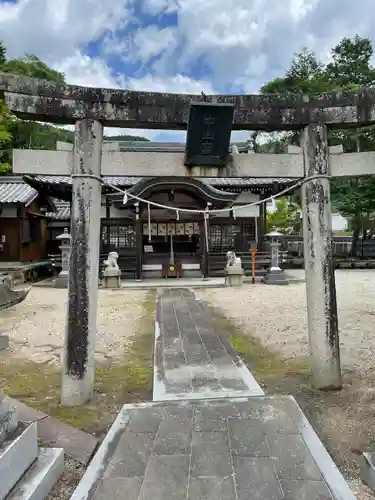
x=251 y=41
x=53 y=29
x=157 y=7
x=242 y=43
x=178 y=83
x=80 y=69
x=151 y=41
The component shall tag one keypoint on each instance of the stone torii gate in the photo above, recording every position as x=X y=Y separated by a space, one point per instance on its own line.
x=90 y=109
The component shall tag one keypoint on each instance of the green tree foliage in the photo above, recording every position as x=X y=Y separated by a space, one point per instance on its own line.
x=32 y=66
x=349 y=68
x=2 y=54
x=5 y=137
x=283 y=218
x=351 y=63
x=119 y=138
x=20 y=134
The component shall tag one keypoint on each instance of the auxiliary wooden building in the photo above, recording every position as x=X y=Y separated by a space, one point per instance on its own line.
x=23 y=221
x=147 y=238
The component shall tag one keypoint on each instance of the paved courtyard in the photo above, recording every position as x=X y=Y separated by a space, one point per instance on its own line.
x=277 y=316
x=191 y=360
x=237 y=449
x=212 y=444
x=36 y=327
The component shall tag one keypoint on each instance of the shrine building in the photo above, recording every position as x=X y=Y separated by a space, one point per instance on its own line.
x=146 y=237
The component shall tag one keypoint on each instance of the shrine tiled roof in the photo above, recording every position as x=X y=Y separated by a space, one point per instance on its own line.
x=17 y=192
x=62 y=210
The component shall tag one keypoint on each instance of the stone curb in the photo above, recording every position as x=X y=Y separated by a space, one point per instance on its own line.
x=76 y=443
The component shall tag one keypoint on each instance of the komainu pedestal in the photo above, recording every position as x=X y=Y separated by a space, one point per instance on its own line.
x=234 y=274
x=8 y=417
x=111 y=273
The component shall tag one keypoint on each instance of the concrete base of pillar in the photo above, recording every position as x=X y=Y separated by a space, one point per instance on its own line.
x=275 y=277
x=234 y=276
x=77 y=392
x=61 y=280
x=111 y=279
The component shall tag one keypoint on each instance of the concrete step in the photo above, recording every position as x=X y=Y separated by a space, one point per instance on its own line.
x=368 y=470
x=16 y=457
x=39 y=480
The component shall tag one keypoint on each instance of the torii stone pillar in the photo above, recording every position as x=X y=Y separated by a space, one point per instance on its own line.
x=78 y=351
x=320 y=274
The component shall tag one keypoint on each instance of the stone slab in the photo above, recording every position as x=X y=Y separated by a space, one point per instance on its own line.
x=41 y=477
x=16 y=458
x=61 y=282
x=76 y=443
x=31 y=98
x=4 y=342
x=368 y=470
x=10 y=297
x=260 y=448
x=8 y=417
x=276 y=277
x=27 y=413
x=192 y=361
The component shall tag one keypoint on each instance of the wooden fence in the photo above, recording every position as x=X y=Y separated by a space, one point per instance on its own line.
x=341 y=247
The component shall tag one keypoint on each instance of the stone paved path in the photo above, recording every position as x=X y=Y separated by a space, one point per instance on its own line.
x=191 y=360
x=208 y=434
x=258 y=448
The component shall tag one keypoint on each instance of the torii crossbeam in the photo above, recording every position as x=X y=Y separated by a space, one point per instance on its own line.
x=91 y=109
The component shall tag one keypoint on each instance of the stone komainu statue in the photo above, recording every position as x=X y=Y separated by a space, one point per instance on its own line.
x=111 y=262
x=232 y=260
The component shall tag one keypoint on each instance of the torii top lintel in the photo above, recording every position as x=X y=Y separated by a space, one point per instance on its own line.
x=34 y=99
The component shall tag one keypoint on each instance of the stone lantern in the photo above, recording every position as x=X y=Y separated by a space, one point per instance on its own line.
x=275 y=275
x=63 y=277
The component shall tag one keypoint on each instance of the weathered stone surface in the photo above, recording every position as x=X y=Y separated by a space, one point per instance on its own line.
x=40 y=100
x=247 y=448
x=78 y=353
x=8 y=417
x=320 y=273
x=368 y=469
x=76 y=443
x=16 y=458
x=10 y=297
x=41 y=477
x=4 y=342
x=191 y=359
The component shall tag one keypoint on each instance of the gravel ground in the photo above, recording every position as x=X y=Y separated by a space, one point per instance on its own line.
x=276 y=315
x=36 y=327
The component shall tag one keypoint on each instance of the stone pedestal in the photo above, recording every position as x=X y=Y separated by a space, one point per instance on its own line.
x=234 y=276
x=8 y=418
x=111 y=278
x=4 y=342
x=275 y=276
x=62 y=279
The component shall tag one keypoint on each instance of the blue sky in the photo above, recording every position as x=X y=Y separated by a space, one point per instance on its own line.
x=221 y=46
